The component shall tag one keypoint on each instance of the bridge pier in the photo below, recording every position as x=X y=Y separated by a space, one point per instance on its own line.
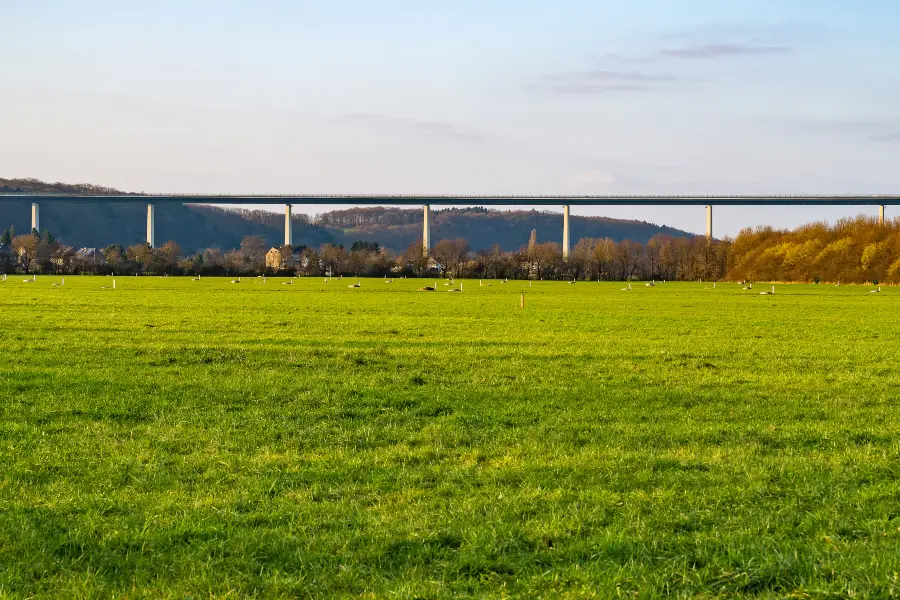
x=881 y=215
x=565 y=231
x=709 y=229
x=426 y=231
x=35 y=217
x=151 y=225
x=288 y=226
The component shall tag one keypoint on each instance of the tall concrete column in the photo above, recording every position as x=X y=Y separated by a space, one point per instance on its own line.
x=566 y=231
x=709 y=232
x=151 y=225
x=426 y=231
x=881 y=215
x=288 y=226
x=35 y=216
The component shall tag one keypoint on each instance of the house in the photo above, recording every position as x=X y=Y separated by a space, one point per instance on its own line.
x=274 y=259
x=91 y=256
x=62 y=256
x=87 y=259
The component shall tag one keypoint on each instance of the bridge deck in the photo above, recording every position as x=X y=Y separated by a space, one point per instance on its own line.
x=447 y=200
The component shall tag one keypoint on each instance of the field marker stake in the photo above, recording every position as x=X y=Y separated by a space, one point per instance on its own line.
x=522 y=301
x=114 y=284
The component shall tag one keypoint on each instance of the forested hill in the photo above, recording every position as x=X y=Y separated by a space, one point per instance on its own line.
x=397 y=227
x=195 y=227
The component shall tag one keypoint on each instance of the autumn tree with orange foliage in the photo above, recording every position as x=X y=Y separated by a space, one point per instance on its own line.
x=857 y=250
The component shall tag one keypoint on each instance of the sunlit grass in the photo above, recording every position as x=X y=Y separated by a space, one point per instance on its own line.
x=176 y=438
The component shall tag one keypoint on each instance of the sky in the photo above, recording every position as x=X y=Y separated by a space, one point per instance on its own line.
x=460 y=97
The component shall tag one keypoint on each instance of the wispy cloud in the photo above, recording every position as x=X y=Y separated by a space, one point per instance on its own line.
x=872 y=126
x=885 y=137
x=615 y=57
x=885 y=130
x=722 y=50
x=388 y=123
x=605 y=78
x=601 y=81
x=588 y=89
x=592 y=177
x=699 y=51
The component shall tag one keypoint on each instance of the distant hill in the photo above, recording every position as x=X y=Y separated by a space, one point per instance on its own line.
x=195 y=226
x=398 y=227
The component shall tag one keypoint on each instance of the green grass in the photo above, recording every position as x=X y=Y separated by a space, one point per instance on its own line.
x=173 y=439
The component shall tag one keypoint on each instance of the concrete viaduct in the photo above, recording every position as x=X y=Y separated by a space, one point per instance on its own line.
x=427 y=201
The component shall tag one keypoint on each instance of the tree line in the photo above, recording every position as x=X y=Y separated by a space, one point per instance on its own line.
x=852 y=250
x=662 y=257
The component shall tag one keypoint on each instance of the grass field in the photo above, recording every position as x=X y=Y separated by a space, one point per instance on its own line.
x=174 y=438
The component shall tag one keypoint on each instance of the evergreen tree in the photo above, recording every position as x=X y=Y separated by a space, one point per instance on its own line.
x=6 y=238
x=48 y=238
x=362 y=246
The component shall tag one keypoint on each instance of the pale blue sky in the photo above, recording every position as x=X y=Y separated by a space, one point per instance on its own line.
x=357 y=96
